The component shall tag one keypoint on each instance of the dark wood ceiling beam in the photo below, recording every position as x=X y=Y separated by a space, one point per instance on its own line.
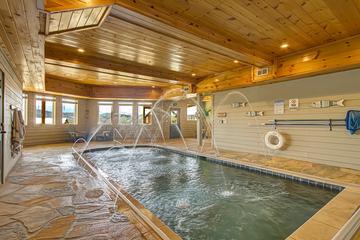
x=150 y=17
x=68 y=54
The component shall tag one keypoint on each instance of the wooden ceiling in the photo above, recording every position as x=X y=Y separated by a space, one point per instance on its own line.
x=214 y=44
x=261 y=25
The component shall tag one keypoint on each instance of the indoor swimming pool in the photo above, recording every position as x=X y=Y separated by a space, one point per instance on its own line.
x=199 y=199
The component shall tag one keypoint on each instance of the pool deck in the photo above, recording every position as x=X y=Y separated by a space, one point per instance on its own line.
x=49 y=196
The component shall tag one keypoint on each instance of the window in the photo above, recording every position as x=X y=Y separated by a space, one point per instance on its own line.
x=125 y=113
x=45 y=110
x=69 y=111
x=105 y=109
x=144 y=113
x=25 y=108
x=191 y=112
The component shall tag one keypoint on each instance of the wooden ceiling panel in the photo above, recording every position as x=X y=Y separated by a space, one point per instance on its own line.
x=263 y=24
x=155 y=42
x=100 y=77
x=123 y=40
x=73 y=20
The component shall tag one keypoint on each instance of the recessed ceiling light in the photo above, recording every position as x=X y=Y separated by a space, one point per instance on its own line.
x=81 y=50
x=193 y=74
x=236 y=61
x=284 y=45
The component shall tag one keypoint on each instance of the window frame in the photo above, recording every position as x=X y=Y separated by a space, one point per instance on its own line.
x=25 y=101
x=144 y=105
x=126 y=104
x=70 y=101
x=44 y=99
x=187 y=115
x=105 y=103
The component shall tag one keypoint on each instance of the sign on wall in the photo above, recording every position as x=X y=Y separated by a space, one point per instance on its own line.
x=279 y=107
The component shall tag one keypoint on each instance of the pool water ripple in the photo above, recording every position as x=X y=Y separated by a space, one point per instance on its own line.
x=202 y=201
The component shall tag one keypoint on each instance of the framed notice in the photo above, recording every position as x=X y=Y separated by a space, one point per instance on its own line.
x=279 y=107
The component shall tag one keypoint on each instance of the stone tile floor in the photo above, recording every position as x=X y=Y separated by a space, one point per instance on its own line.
x=48 y=196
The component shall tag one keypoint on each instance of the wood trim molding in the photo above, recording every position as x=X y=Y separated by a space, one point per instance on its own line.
x=332 y=57
x=61 y=86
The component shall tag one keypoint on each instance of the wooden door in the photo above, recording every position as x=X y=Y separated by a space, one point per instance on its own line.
x=2 y=130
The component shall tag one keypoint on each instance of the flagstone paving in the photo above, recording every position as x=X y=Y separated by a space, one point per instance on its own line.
x=48 y=196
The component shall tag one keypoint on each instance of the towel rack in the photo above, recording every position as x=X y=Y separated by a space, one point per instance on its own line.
x=306 y=122
x=12 y=107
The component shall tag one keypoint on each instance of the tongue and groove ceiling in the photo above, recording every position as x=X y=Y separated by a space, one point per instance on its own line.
x=212 y=44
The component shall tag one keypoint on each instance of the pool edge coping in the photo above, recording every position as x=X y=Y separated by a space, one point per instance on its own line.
x=161 y=230
x=307 y=226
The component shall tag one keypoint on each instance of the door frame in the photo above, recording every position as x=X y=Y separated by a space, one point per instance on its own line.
x=179 y=122
x=2 y=75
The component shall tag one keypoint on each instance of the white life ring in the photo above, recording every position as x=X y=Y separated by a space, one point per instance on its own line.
x=274 y=140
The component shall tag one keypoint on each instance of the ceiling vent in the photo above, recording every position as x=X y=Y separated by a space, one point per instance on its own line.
x=262 y=71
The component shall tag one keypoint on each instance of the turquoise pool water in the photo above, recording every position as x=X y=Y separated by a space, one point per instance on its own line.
x=201 y=200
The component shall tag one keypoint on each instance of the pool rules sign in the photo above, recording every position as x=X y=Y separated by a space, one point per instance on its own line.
x=279 y=107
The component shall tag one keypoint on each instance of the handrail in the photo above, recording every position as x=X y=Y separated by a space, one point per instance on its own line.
x=306 y=122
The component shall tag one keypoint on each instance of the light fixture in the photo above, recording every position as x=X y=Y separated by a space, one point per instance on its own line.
x=284 y=45
x=81 y=50
x=216 y=80
x=236 y=61
x=193 y=74
x=153 y=86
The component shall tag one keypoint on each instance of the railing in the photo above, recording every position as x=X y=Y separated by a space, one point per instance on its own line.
x=306 y=122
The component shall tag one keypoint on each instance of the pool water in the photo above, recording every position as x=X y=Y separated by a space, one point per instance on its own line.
x=203 y=200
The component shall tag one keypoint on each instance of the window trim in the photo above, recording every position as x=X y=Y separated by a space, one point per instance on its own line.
x=144 y=107
x=104 y=103
x=25 y=98
x=187 y=115
x=73 y=101
x=129 y=104
x=43 y=99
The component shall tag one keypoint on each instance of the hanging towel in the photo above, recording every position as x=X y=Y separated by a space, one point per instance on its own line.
x=17 y=131
x=352 y=121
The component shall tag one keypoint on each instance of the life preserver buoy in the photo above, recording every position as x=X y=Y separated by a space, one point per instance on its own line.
x=274 y=140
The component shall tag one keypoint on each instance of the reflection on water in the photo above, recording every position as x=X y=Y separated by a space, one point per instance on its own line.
x=202 y=200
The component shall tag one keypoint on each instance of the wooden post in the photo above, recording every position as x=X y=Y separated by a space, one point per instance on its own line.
x=199 y=124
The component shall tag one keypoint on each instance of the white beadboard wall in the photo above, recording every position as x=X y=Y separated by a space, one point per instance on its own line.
x=87 y=122
x=12 y=96
x=315 y=144
x=37 y=134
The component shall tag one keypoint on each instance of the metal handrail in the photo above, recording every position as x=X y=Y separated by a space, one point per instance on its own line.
x=295 y=122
